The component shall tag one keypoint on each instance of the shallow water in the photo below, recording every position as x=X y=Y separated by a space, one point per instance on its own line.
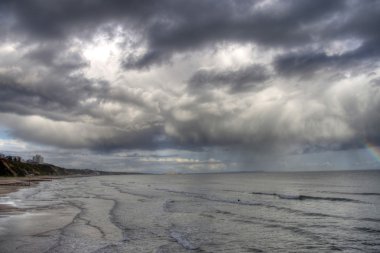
x=237 y=212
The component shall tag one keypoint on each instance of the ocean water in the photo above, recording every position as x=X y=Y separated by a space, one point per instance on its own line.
x=236 y=212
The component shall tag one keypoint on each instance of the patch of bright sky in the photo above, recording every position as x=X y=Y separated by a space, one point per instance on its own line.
x=103 y=54
x=11 y=145
x=339 y=47
x=4 y=134
x=8 y=47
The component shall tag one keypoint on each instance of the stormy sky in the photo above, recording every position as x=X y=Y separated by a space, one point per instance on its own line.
x=176 y=85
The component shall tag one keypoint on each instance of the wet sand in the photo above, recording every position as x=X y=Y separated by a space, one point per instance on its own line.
x=8 y=185
x=12 y=184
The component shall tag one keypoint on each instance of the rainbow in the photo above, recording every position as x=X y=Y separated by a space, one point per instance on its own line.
x=373 y=150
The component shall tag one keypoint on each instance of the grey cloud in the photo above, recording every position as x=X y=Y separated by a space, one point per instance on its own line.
x=303 y=64
x=144 y=62
x=51 y=20
x=168 y=27
x=331 y=119
x=306 y=64
x=82 y=135
x=238 y=80
x=48 y=80
x=283 y=24
x=54 y=95
x=57 y=58
x=375 y=82
x=193 y=26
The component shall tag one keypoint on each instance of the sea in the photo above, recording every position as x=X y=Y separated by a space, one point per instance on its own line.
x=226 y=212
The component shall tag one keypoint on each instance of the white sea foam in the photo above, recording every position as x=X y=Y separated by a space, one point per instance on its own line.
x=9 y=201
x=182 y=240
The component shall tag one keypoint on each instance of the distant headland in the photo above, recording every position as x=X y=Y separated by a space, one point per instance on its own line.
x=16 y=166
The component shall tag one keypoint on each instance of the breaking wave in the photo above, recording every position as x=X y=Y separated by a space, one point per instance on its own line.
x=307 y=197
x=354 y=193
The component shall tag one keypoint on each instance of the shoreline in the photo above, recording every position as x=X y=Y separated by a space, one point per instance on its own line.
x=14 y=184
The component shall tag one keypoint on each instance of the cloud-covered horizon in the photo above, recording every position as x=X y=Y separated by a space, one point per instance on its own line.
x=266 y=76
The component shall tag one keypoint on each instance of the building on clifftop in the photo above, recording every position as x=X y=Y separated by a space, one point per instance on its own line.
x=38 y=159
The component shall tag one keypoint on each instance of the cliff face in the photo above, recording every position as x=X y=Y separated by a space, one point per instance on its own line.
x=19 y=169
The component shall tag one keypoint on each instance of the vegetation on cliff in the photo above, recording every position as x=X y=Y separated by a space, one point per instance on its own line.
x=19 y=169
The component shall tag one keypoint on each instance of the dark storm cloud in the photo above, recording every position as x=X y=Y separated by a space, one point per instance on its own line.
x=144 y=62
x=168 y=27
x=56 y=57
x=48 y=94
x=52 y=20
x=54 y=97
x=81 y=135
x=237 y=80
x=354 y=25
x=306 y=64
x=196 y=24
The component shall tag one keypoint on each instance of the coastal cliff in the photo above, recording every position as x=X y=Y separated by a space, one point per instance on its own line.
x=19 y=169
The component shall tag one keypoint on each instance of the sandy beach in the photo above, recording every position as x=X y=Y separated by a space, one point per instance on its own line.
x=12 y=184
x=8 y=185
